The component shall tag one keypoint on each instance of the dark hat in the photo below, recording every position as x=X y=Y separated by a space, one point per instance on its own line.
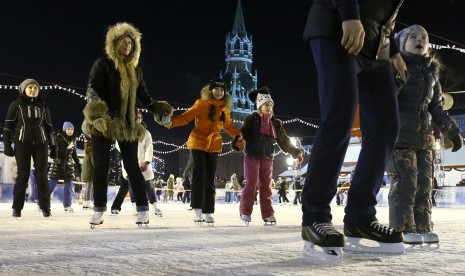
x=25 y=83
x=217 y=82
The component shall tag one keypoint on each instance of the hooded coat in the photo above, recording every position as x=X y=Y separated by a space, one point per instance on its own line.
x=211 y=116
x=115 y=83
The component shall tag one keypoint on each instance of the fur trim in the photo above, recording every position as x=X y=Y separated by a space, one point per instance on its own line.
x=117 y=129
x=206 y=94
x=115 y=33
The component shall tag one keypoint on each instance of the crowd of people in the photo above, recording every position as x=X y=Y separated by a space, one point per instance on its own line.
x=361 y=64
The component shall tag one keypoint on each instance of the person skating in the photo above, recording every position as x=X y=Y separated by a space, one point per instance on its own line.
x=65 y=164
x=350 y=42
x=28 y=125
x=211 y=114
x=115 y=83
x=260 y=130
x=411 y=163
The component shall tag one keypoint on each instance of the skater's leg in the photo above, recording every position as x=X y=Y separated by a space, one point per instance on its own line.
x=119 y=198
x=210 y=190
x=198 y=179
x=136 y=179
x=101 y=151
x=52 y=183
x=40 y=157
x=266 y=196
x=23 y=154
x=423 y=204
x=150 y=192
x=68 y=193
x=88 y=194
x=251 y=171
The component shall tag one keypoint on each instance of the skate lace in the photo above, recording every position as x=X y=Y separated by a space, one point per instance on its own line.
x=325 y=228
x=381 y=228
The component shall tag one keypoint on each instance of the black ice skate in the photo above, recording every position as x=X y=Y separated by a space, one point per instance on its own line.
x=142 y=218
x=373 y=238
x=271 y=220
x=322 y=243
x=16 y=213
x=46 y=213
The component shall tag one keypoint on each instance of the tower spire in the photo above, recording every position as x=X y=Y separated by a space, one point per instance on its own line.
x=239 y=24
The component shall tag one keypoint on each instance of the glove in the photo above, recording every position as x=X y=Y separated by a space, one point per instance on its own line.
x=240 y=143
x=9 y=151
x=299 y=157
x=53 y=152
x=144 y=166
x=100 y=124
x=161 y=109
x=456 y=139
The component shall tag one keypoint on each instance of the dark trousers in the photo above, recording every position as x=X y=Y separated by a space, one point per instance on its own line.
x=39 y=154
x=124 y=188
x=101 y=151
x=203 y=181
x=345 y=81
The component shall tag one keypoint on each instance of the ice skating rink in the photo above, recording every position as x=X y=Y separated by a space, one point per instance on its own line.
x=173 y=245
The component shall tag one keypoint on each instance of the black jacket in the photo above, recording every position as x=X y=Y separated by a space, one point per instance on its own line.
x=420 y=104
x=28 y=121
x=66 y=161
x=377 y=16
x=262 y=146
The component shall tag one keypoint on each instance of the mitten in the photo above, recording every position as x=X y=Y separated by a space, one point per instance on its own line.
x=53 y=152
x=100 y=124
x=9 y=151
x=161 y=109
x=456 y=139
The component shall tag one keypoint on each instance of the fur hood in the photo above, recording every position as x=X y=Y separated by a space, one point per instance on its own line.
x=114 y=34
x=206 y=94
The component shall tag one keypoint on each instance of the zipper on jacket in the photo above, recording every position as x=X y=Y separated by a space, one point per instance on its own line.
x=44 y=139
x=29 y=111
x=21 y=134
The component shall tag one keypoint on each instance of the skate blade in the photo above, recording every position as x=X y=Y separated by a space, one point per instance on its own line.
x=92 y=225
x=315 y=254
x=159 y=215
x=141 y=224
x=270 y=223
x=246 y=222
x=359 y=245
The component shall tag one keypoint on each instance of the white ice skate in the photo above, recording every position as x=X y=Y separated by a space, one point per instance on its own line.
x=246 y=219
x=412 y=238
x=87 y=205
x=157 y=210
x=142 y=218
x=373 y=238
x=96 y=219
x=430 y=238
x=271 y=220
x=198 y=215
x=208 y=218
x=69 y=209
x=321 y=255
x=115 y=212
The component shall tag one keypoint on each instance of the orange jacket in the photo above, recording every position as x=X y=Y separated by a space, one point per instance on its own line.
x=206 y=135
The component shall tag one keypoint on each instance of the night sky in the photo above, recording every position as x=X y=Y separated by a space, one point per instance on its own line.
x=183 y=46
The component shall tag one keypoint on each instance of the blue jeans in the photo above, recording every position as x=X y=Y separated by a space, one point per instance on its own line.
x=345 y=82
x=67 y=191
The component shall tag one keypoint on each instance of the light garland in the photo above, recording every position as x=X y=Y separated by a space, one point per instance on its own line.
x=441 y=47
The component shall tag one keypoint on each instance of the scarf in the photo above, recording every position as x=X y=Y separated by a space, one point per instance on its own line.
x=266 y=126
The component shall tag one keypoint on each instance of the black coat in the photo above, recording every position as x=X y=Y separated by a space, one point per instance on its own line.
x=28 y=121
x=66 y=161
x=420 y=104
x=378 y=19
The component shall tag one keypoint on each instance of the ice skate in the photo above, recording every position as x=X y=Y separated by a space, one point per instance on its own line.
x=16 y=213
x=412 y=238
x=69 y=209
x=430 y=238
x=157 y=210
x=198 y=215
x=373 y=238
x=142 y=218
x=46 y=213
x=208 y=218
x=322 y=243
x=96 y=219
x=115 y=212
x=134 y=209
x=271 y=220
x=245 y=219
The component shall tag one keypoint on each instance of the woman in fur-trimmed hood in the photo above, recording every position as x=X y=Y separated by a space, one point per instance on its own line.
x=212 y=114
x=115 y=83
